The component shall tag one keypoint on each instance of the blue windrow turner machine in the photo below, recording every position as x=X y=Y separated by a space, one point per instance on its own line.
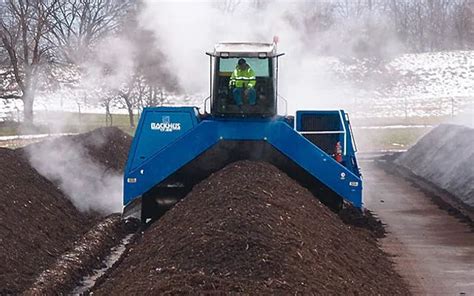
x=176 y=147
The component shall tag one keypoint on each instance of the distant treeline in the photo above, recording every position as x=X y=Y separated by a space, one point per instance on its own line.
x=418 y=25
x=368 y=25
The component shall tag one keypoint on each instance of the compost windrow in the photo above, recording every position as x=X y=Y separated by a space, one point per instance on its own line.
x=249 y=228
x=106 y=146
x=38 y=222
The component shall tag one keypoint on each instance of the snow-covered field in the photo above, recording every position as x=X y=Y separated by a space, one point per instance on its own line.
x=427 y=84
x=68 y=102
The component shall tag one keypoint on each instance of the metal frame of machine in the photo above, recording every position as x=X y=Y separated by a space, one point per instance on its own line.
x=176 y=147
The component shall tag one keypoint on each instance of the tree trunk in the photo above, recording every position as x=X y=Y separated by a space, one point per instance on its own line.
x=28 y=99
x=130 y=111
x=130 y=116
x=108 y=115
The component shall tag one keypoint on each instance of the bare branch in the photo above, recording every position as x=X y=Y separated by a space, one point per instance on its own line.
x=10 y=97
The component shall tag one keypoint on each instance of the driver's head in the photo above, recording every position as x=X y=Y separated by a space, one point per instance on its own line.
x=242 y=64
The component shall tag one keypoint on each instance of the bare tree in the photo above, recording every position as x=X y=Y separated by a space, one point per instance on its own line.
x=317 y=16
x=150 y=76
x=23 y=26
x=353 y=8
x=429 y=25
x=227 y=6
x=260 y=4
x=80 y=24
x=399 y=12
x=463 y=23
x=106 y=102
x=139 y=93
x=131 y=98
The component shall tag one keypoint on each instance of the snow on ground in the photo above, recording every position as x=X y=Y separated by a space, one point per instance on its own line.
x=86 y=103
x=424 y=75
x=69 y=102
x=426 y=84
x=441 y=74
x=10 y=110
x=32 y=137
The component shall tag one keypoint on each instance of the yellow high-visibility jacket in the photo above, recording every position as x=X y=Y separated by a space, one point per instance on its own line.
x=243 y=78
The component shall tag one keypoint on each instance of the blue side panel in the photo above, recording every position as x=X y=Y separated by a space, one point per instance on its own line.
x=159 y=127
x=168 y=160
x=319 y=164
x=171 y=157
x=330 y=124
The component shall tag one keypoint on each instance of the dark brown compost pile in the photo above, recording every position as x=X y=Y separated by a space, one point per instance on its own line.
x=38 y=222
x=87 y=252
x=108 y=146
x=249 y=228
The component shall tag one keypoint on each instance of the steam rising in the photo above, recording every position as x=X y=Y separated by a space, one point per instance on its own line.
x=182 y=32
x=186 y=29
x=89 y=185
x=112 y=65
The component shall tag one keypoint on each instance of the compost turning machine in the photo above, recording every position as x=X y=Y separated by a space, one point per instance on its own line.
x=176 y=147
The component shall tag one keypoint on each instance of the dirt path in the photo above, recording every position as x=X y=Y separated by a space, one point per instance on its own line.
x=434 y=251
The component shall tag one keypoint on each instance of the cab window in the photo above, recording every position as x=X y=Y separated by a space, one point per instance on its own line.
x=223 y=100
x=260 y=66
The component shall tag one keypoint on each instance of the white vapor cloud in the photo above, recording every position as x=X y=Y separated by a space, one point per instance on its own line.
x=186 y=29
x=89 y=185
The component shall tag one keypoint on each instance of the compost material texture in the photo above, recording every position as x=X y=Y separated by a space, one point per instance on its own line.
x=87 y=167
x=37 y=223
x=106 y=146
x=86 y=253
x=249 y=228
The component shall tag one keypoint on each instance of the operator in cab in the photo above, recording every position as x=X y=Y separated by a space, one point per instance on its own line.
x=242 y=83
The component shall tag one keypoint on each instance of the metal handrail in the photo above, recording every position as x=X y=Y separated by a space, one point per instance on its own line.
x=321 y=132
x=286 y=103
x=352 y=133
x=208 y=99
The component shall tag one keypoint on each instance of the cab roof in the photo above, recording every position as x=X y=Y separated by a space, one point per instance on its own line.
x=244 y=49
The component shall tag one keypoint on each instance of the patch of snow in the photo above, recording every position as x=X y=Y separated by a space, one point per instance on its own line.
x=397 y=126
x=89 y=281
x=29 y=137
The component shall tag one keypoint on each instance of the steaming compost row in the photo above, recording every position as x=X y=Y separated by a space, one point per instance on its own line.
x=249 y=228
x=86 y=253
x=38 y=222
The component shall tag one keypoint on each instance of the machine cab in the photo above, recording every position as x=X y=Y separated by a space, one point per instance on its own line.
x=249 y=91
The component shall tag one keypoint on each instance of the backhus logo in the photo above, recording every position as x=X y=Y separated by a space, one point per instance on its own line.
x=166 y=125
